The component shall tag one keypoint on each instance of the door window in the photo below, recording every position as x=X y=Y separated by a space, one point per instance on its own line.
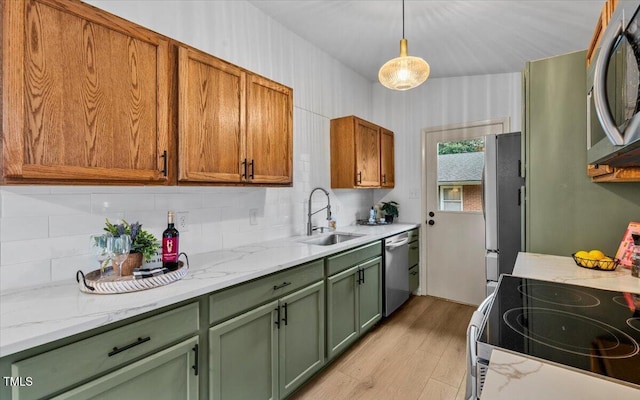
x=460 y=165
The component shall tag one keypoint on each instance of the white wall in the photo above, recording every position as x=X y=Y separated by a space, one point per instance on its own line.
x=438 y=102
x=44 y=229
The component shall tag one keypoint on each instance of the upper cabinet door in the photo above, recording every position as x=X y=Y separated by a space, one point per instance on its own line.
x=367 y=147
x=211 y=118
x=387 y=178
x=269 y=131
x=85 y=96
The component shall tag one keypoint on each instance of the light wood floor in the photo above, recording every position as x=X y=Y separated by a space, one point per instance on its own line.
x=417 y=353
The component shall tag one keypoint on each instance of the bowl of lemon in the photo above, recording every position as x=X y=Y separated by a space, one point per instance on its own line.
x=595 y=259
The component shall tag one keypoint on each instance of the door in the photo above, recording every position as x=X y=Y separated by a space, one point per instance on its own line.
x=86 y=97
x=342 y=311
x=244 y=356
x=269 y=131
x=387 y=158
x=169 y=374
x=301 y=337
x=211 y=118
x=454 y=240
x=367 y=147
x=370 y=294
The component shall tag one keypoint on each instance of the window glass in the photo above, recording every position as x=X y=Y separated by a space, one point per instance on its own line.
x=460 y=165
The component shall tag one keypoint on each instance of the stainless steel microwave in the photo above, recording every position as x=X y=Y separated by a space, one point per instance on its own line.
x=613 y=91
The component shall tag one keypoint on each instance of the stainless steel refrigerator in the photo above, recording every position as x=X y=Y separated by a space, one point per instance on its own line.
x=502 y=203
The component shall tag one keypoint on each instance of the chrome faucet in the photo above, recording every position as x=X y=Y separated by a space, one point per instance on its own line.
x=309 y=214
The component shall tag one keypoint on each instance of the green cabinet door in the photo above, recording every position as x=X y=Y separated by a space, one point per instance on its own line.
x=167 y=375
x=370 y=293
x=301 y=337
x=342 y=311
x=244 y=356
x=414 y=278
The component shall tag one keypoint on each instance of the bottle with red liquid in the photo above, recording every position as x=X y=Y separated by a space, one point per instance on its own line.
x=170 y=244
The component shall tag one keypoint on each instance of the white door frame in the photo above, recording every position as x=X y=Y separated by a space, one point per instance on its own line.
x=506 y=127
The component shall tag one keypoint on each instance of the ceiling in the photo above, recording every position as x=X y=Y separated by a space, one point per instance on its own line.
x=457 y=38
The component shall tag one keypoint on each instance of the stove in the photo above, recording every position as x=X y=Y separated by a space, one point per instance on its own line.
x=591 y=330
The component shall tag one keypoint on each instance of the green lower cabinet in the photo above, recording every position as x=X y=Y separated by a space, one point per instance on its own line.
x=342 y=310
x=244 y=356
x=301 y=337
x=414 y=278
x=369 y=293
x=268 y=352
x=354 y=304
x=167 y=375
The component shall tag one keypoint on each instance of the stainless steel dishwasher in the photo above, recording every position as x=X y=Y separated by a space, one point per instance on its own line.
x=396 y=272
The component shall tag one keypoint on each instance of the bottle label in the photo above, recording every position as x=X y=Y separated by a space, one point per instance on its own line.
x=170 y=249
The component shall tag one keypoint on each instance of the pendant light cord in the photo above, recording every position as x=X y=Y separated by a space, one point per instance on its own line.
x=403 y=19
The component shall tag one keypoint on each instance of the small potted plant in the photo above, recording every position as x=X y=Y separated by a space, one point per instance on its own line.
x=390 y=210
x=143 y=244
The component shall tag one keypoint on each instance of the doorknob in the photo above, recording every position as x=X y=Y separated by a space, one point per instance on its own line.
x=431 y=214
x=431 y=222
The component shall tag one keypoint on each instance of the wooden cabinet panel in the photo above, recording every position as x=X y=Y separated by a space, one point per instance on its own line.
x=361 y=154
x=387 y=162
x=235 y=126
x=211 y=118
x=367 y=141
x=167 y=375
x=244 y=356
x=85 y=96
x=269 y=131
x=301 y=337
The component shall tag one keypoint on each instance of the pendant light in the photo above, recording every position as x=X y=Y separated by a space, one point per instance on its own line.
x=404 y=72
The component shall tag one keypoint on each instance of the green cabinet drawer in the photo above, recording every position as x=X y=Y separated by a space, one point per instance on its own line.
x=65 y=366
x=414 y=234
x=414 y=253
x=232 y=301
x=414 y=278
x=349 y=258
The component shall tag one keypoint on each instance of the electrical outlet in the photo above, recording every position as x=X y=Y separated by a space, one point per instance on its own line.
x=182 y=221
x=253 y=216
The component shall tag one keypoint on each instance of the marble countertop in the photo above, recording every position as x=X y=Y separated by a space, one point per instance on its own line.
x=512 y=375
x=34 y=316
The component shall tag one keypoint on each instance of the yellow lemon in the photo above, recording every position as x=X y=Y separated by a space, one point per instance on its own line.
x=582 y=254
x=596 y=254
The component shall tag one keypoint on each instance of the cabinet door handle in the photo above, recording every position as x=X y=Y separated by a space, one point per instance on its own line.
x=276 y=287
x=195 y=366
x=362 y=275
x=384 y=179
x=244 y=168
x=117 y=350
x=164 y=163
x=285 y=314
x=277 y=321
x=359 y=176
x=252 y=163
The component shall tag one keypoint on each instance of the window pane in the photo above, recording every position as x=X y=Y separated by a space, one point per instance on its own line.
x=460 y=165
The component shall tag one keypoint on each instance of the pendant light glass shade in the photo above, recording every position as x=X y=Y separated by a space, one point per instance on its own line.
x=404 y=72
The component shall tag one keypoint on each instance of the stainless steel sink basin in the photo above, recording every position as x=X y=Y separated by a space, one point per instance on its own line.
x=332 y=238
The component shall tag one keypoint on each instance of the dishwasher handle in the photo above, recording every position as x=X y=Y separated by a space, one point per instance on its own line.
x=394 y=245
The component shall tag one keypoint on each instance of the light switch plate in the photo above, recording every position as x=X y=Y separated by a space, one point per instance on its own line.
x=182 y=221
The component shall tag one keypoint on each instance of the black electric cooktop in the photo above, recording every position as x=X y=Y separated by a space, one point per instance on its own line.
x=593 y=330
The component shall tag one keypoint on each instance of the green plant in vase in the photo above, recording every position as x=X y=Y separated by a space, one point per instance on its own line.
x=390 y=210
x=142 y=242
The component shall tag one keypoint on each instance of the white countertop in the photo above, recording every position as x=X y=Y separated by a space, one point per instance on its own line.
x=34 y=316
x=513 y=375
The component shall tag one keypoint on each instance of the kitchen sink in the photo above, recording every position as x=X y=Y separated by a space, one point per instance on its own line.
x=332 y=238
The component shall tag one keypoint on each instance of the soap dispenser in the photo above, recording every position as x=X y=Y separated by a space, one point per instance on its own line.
x=372 y=216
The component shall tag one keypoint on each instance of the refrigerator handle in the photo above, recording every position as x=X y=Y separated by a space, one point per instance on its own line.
x=484 y=213
x=519 y=196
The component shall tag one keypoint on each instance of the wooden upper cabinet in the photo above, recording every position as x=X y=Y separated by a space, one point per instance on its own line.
x=85 y=96
x=387 y=164
x=211 y=115
x=269 y=131
x=234 y=126
x=357 y=157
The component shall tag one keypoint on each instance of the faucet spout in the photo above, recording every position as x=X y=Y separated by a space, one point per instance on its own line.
x=310 y=213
